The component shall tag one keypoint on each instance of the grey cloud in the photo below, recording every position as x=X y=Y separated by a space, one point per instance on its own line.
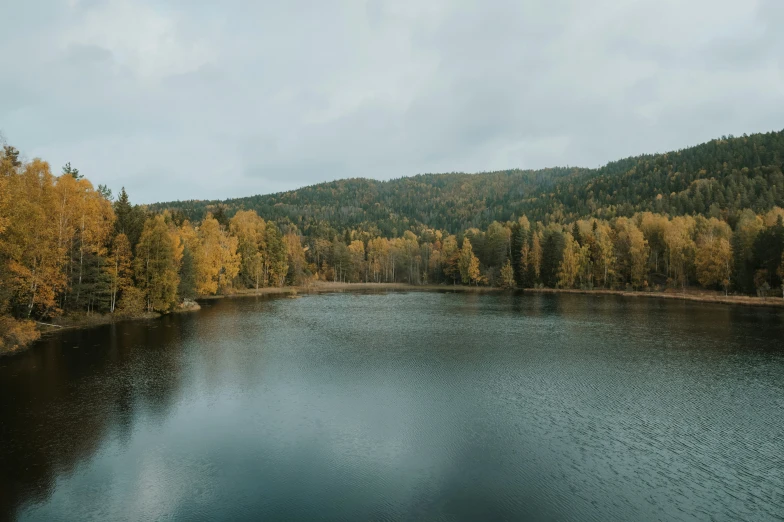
x=199 y=99
x=80 y=55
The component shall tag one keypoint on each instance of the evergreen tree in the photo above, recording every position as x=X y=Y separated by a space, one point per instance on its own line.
x=519 y=252
x=576 y=234
x=552 y=256
x=221 y=216
x=768 y=250
x=70 y=171
x=129 y=219
x=11 y=155
x=187 y=286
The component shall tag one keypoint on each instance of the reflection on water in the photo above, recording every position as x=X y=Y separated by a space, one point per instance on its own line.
x=402 y=406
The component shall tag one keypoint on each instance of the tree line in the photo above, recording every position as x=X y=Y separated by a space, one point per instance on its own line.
x=645 y=251
x=720 y=179
x=67 y=247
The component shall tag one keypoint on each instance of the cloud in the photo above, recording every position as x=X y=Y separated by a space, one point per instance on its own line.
x=193 y=99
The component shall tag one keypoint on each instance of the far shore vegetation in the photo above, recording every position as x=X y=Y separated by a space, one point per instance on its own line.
x=703 y=224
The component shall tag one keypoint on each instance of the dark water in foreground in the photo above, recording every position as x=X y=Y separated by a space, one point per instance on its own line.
x=402 y=406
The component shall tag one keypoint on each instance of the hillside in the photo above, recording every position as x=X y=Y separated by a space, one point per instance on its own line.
x=710 y=215
x=720 y=177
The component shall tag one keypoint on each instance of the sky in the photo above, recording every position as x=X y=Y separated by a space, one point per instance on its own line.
x=197 y=99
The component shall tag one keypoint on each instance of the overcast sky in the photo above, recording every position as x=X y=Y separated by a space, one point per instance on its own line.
x=184 y=99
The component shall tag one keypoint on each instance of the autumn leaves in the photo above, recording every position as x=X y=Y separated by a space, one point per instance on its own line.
x=65 y=247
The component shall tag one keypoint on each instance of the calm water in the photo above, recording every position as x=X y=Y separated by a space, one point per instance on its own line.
x=402 y=406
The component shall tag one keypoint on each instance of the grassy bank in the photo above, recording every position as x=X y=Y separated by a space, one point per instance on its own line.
x=326 y=287
x=688 y=295
x=72 y=321
x=30 y=331
x=75 y=321
x=18 y=335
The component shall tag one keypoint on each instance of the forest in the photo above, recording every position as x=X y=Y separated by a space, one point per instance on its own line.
x=718 y=179
x=709 y=216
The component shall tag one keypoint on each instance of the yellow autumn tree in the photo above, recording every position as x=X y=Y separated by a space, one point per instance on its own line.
x=193 y=270
x=276 y=264
x=570 y=264
x=356 y=252
x=507 y=275
x=534 y=263
x=713 y=262
x=14 y=333
x=631 y=252
x=93 y=223
x=30 y=248
x=221 y=262
x=468 y=263
x=450 y=255
x=653 y=227
x=68 y=208
x=680 y=248
x=603 y=252
x=208 y=257
x=118 y=269
x=230 y=261
x=713 y=257
x=378 y=259
x=156 y=266
x=249 y=229
x=773 y=215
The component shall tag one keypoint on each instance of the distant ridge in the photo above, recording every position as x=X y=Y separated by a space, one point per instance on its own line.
x=717 y=178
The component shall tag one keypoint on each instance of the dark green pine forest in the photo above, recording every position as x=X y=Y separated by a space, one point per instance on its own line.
x=715 y=179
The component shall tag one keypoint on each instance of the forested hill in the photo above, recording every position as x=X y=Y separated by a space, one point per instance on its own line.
x=718 y=178
x=453 y=202
x=711 y=214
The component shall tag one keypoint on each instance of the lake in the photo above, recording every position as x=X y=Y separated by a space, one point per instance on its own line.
x=402 y=406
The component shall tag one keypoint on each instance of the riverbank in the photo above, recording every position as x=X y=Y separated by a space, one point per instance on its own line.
x=72 y=321
x=327 y=287
x=83 y=320
x=23 y=333
x=75 y=321
x=18 y=335
x=689 y=295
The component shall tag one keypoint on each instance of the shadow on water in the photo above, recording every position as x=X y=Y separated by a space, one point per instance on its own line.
x=404 y=405
x=63 y=397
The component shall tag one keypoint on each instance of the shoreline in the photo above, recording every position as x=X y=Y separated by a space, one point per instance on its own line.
x=739 y=300
x=324 y=287
x=83 y=321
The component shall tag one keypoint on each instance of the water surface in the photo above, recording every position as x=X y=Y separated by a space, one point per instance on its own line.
x=402 y=406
